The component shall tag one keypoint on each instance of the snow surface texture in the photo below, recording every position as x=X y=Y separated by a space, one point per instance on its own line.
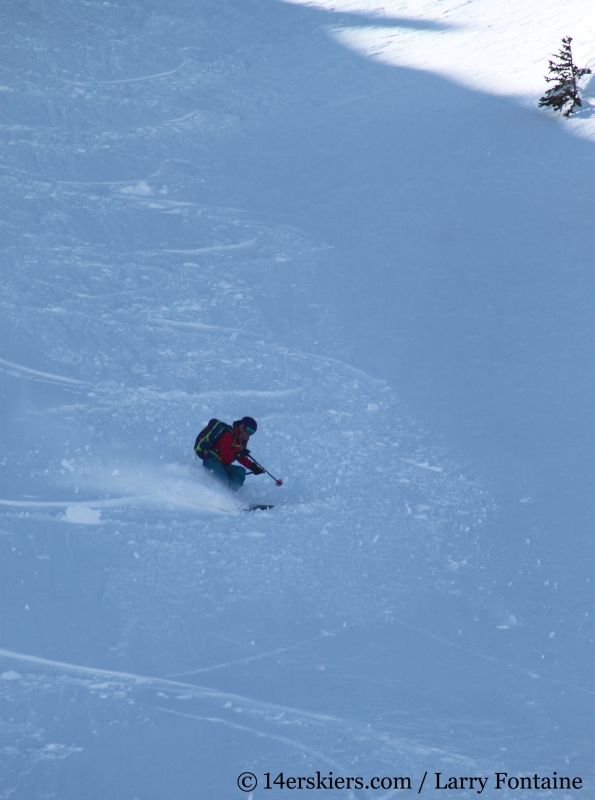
x=502 y=48
x=240 y=207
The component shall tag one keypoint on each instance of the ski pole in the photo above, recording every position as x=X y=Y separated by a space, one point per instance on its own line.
x=278 y=481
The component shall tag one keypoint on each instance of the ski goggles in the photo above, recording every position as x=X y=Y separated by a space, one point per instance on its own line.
x=249 y=430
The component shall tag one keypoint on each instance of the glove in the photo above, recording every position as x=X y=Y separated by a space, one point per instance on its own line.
x=257 y=470
x=243 y=453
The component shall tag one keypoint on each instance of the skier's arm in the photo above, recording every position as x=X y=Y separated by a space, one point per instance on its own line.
x=247 y=462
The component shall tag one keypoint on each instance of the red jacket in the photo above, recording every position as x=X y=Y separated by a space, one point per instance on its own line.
x=228 y=447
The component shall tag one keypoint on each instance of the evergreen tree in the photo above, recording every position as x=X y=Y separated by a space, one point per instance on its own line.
x=563 y=96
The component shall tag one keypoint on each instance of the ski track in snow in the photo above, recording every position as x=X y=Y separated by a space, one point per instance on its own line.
x=19 y=368
x=310 y=733
x=216 y=248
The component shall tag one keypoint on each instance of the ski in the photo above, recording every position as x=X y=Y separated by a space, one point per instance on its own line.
x=258 y=507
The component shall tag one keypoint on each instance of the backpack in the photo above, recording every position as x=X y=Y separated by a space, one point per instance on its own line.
x=209 y=437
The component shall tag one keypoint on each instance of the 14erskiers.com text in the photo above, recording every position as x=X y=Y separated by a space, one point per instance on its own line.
x=500 y=780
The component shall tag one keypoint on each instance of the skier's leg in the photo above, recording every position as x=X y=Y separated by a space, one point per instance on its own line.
x=217 y=470
x=237 y=476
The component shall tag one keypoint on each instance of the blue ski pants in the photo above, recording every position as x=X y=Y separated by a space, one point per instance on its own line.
x=229 y=474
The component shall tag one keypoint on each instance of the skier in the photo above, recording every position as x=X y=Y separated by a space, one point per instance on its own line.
x=230 y=446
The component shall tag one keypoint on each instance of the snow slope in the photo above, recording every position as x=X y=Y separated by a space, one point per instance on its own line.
x=500 y=48
x=244 y=207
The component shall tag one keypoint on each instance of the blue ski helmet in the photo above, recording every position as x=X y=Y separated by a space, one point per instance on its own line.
x=249 y=424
